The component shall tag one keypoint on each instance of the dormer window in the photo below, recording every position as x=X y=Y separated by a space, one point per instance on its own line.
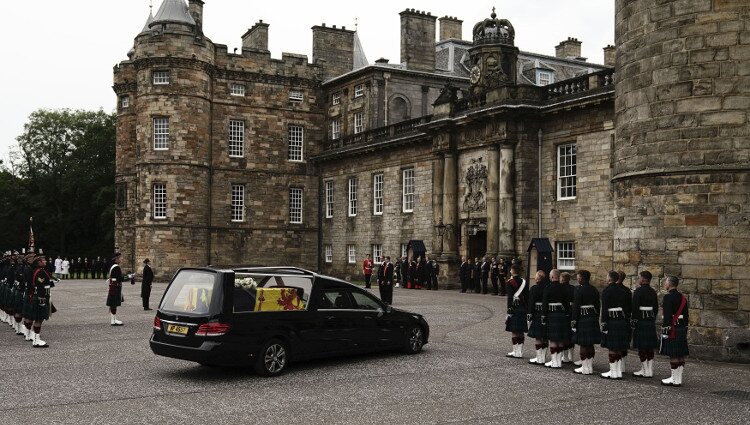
x=237 y=89
x=296 y=95
x=359 y=90
x=161 y=78
x=545 y=77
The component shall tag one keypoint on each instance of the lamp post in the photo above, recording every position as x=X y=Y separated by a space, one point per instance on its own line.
x=440 y=229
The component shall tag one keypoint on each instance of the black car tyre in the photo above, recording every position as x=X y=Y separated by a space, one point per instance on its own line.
x=414 y=339
x=272 y=358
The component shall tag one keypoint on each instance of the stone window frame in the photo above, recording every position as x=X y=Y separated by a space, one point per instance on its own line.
x=566 y=255
x=377 y=252
x=237 y=193
x=237 y=89
x=328 y=253
x=351 y=254
x=295 y=147
x=359 y=90
x=160 y=132
x=408 y=198
x=567 y=171
x=236 y=138
x=335 y=128
x=378 y=201
x=125 y=101
x=296 y=95
x=351 y=191
x=359 y=127
x=121 y=195
x=159 y=200
x=336 y=98
x=329 y=200
x=404 y=249
x=296 y=205
x=161 y=77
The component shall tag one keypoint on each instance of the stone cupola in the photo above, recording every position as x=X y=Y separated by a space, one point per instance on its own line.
x=493 y=59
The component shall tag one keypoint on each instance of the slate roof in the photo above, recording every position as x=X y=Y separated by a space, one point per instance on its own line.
x=360 y=60
x=173 y=11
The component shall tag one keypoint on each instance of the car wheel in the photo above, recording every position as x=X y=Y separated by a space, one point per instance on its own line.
x=272 y=358
x=414 y=340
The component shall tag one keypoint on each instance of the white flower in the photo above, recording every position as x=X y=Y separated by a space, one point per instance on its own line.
x=245 y=283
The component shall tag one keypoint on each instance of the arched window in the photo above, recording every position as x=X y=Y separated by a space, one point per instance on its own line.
x=398 y=110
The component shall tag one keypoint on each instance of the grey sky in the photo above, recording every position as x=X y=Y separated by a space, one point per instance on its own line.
x=60 y=53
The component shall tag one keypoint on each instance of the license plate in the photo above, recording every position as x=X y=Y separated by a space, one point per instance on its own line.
x=174 y=329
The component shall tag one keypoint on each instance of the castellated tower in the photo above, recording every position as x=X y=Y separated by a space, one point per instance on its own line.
x=682 y=149
x=212 y=150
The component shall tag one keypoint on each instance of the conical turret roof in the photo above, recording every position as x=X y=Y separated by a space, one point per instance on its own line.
x=148 y=21
x=360 y=60
x=173 y=11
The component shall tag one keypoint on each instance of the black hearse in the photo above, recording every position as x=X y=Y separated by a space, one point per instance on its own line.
x=269 y=316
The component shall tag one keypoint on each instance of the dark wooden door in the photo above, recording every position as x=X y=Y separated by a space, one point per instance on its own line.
x=478 y=245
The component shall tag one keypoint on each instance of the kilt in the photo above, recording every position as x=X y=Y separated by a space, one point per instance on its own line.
x=114 y=297
x=558 y=326
x=18 y=301
x=537 y=330
x=516 y=323
x=677 y=347
x=39 y=311
x=587 y=330
x=3 y=296
x=644 y=335
x=617 y=337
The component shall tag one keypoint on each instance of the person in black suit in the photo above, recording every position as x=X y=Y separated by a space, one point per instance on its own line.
x=464 y=274
x=476 y=277
x=484 y=271
x=148 y=278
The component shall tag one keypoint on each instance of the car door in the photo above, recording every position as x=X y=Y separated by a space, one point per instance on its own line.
x=377 y=329
x=338 y=321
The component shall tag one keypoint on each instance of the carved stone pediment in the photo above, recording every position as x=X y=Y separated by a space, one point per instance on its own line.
x=476 y=187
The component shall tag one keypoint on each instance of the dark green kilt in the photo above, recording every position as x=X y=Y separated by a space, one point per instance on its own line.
x=537 y=330
x=516 y=323
x=644 y=335
x=677 y=347
x=617 y=337
x=558 y=326
x=114 y=297
x=39 y=309
x=587 y=331
x=18 y=301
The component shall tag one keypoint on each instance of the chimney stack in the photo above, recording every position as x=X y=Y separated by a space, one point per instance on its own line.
x=609 y=55
x=256 y=38
x=569 y=49
x=196 y=11
x=333 y=49
x=450 y=27
x=418 y=40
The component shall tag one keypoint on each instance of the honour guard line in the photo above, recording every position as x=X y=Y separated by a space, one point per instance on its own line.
x=25 y=291
x=558 y=315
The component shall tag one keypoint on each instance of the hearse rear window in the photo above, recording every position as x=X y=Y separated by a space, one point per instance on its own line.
x=262 y=292
x=191 y=292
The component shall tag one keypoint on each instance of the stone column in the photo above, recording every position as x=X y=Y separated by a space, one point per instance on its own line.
x=506 y=214
x=438 y=164
x=450 y=206
x=492 y=199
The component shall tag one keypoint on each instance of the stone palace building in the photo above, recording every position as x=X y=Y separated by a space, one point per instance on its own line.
x=470 y=147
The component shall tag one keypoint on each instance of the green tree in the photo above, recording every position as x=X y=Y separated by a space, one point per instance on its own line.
x=65 y=162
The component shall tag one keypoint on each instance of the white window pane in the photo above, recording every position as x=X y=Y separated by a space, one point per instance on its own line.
x=295 y=205
x=161 y=77
x=359 y=125
x=408 y=190
x=566 y=255
x=161 y=133
x=238 y=202
x=377 y=195
x=335 y=129
x=352 y=197
x=329 y=253
x=296 y=142
x=336 y=98
x=237 y=89
x=329 y=199
x=296 y=95
x=566 y=171
x=236 y=138
x=351 y=254
x=160 y=201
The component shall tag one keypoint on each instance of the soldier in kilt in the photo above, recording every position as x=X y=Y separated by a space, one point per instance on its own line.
x=621 y=283
x=4 y=288
x=40 y=304
x=585 y=321
x=515 y=322
x=615 y=317
x=674 y=344
x=645 y=307
x=556 y=316
x=567 y=354
x=114 y=294
x=20 y=297
x=537 y=329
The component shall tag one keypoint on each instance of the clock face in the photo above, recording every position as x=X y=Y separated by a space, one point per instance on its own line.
x=475 y=74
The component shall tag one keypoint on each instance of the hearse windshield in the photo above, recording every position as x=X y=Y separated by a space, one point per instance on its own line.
x=192 y=292
x=265 y=292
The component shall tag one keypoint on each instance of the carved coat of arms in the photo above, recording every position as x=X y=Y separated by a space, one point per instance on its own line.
x=476 y=185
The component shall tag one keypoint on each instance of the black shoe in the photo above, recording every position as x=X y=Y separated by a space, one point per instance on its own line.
x=146 y=308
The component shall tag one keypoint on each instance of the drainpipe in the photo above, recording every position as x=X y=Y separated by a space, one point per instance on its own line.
x=539 y=184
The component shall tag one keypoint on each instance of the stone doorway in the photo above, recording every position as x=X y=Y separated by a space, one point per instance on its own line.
x=477 y=244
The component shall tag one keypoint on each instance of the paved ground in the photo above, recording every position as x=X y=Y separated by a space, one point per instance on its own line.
x=94 y=373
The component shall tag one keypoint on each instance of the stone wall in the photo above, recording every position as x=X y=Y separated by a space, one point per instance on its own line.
x=391 y=229
x=418 y=40
x=682 y=182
